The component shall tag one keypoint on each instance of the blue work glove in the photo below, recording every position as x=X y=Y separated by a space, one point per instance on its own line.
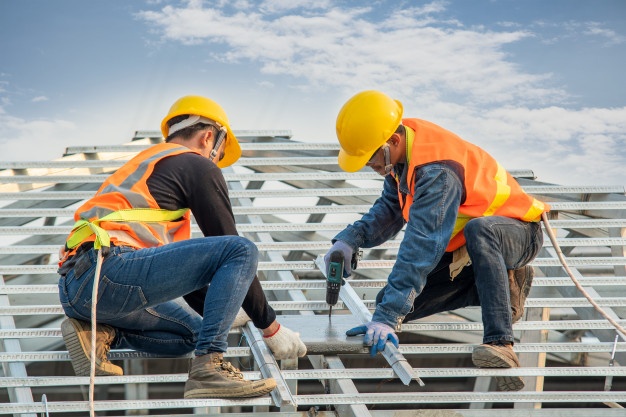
x=347 y=252
x=376 y=335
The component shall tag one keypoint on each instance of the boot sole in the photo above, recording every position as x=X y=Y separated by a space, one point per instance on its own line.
x=486 y=359
x=256 y=389
x=80 y=353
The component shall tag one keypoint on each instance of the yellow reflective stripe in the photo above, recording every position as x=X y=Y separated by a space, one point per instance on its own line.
x=534 y=212
x=503 y=191
x=143 y=215
x=461 y=221
x=409 y=137
x=83 y=228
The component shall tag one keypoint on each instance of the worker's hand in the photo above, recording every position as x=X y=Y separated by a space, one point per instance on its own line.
x=241 y=319
x=346 y=251
x=285 y=344
x=376 y=335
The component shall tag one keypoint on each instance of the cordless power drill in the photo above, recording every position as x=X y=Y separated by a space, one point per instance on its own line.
x=334 y=277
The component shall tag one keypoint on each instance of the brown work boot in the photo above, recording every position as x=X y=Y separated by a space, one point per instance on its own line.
x=499 y=355
x=77 y=337
x=211 y=377
x=520 y=281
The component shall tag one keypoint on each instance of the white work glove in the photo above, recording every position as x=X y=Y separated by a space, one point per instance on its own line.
x=241 y=319
x=346 y=251
x=285 y=344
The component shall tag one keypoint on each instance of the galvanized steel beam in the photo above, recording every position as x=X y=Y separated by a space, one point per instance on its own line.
x=369 y=304
x=465 y=397
x=331 y=373
x=268 y=366
x=333 y=399
x=406 y=327
x=318 y=284
x=13 y=369
x=306 y=265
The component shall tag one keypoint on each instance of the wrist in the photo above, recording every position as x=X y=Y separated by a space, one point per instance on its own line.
x=271 y=330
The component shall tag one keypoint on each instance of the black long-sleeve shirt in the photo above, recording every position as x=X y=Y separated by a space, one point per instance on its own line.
x=192 y=181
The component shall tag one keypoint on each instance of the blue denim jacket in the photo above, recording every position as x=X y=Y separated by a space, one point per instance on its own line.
x=437 y=196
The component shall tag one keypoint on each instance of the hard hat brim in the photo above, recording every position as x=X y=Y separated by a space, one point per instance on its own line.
x=351 y=163
x=232 y=150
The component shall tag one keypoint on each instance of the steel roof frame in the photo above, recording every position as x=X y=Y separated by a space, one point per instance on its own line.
x=591 y=221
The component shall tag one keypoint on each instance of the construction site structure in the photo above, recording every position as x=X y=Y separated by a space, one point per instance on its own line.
x=291 y=198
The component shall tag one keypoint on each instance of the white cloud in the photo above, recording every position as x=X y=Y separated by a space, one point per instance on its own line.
x=554 y=32
x=34 y=139
x=341 y=47
x=277 y=6
x=457 y=76
x=611 y=37
x=578 y=146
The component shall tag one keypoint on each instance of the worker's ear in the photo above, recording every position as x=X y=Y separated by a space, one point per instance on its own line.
x=394 y=139
x=206 y=138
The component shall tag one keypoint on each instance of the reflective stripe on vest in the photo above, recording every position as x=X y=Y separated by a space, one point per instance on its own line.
x=489 y=188
x=84 y=229
x=124 y=206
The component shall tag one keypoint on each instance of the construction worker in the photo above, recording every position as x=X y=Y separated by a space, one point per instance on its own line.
x=460 y=208
x=154 y=276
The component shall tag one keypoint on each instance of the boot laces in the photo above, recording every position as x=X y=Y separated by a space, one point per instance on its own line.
x=232 y=372
x=103 y=345
x=104 y=353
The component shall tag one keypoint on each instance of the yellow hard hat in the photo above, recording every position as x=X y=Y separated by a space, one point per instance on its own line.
x=202 y=106
x=364 y=124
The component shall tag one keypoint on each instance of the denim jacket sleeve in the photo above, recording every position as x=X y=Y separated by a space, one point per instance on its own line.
x=383 y=221
x=437 y=197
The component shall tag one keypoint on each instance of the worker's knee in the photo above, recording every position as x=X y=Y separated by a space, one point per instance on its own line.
x=246 y=248
x=239 y=247
x=476 y=227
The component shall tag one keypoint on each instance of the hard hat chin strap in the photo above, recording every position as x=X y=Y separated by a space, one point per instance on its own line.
x=387 y=154
x=221 y=135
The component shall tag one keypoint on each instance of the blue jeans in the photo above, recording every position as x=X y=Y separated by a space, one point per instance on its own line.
x=140 y=293
x=495 y=244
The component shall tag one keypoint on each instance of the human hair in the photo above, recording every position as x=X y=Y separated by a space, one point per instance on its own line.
x=400 y=130
x=187 y=132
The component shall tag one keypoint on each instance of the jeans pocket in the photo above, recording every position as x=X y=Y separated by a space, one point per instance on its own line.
x=118 y=300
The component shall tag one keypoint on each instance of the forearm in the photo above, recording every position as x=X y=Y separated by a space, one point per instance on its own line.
x=437 y=197
x=256 y=306
x=381 y=223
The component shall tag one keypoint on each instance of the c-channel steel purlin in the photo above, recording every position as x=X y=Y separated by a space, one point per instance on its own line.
x=268 y=366
x=396 y=360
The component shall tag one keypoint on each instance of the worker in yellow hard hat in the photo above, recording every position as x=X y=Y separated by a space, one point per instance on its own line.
x=161 y=292
x=470 y=229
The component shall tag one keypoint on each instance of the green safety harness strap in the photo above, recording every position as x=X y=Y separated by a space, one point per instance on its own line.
x=84 y=228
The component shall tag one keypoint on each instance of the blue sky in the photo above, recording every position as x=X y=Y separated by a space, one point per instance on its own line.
x=538 y=83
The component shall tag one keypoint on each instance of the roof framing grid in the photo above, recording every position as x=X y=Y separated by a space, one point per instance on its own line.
x=291 y=198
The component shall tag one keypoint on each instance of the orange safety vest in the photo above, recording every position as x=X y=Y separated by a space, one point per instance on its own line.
x=124 y=208
x=489 y=189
